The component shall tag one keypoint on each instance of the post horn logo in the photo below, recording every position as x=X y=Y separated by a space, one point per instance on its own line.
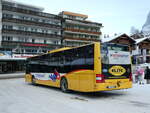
x=117 y=70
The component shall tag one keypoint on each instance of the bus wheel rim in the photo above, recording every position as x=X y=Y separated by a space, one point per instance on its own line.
x=64 y=85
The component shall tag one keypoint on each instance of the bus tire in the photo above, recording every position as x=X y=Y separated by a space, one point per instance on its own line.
x=64 y=85
x=33 y=80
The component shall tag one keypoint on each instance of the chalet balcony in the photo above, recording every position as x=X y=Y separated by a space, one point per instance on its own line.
x=82 y=31
x=28 y=33
x=27 y=22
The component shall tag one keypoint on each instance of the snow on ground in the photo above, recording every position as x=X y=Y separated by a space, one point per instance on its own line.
x=16 y=96
x=12 y=75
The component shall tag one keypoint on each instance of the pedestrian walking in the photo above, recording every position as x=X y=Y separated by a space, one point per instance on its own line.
x=136 y=78
x=147 y=75
x=139 y=74
x=136 y=75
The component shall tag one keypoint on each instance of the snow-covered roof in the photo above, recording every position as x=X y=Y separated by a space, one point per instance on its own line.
x=141 y=39
x=29 y=6
x=108 y=39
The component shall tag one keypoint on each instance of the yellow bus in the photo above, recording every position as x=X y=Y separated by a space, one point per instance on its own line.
x=89 y=68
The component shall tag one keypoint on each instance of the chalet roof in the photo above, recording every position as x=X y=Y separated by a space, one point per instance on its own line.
x=108 y=39
x=141 y=39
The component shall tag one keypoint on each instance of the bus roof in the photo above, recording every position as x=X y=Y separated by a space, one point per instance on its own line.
x=66 y=48
x=60 y=49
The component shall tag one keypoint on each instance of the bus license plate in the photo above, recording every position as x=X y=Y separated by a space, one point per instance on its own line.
x=110 y=87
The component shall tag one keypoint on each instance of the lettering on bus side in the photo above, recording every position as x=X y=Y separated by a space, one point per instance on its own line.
x=117 y=70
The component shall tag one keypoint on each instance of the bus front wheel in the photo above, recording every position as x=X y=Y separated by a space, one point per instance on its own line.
x=64 y=85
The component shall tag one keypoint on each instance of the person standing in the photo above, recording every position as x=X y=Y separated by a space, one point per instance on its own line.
x=147 y=75
x=136 y=75
x=139 y=75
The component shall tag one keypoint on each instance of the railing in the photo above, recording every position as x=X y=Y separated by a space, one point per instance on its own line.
x=12 y=44
x=82 y=31
x=79 y=38
x=81 y=22
x=28 y=33
x=42 y=14
x=30 y=23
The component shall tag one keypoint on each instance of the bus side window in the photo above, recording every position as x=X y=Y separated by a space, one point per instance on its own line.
x=33 y=64
x=104 y=54
x=89 y=55
x=78 y=56
x=68 y=57
x=53 y=59
x=61 y=58
x=56 y=61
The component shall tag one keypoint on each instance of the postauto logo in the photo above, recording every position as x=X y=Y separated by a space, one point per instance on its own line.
x=117 y=70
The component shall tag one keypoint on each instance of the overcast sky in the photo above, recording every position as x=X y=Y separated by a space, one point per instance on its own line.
x=117 y=16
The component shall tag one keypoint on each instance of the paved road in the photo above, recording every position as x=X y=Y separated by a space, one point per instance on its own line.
x=16 y=96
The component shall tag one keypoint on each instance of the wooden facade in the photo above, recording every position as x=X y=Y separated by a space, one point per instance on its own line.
x=123 y=39
x=145 y=44
x=140 y=46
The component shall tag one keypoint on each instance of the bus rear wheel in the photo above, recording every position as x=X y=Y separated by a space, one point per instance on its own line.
x=64 y=85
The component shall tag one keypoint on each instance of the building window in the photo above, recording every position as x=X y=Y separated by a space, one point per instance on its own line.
x=44 y=51
x=23 y=39
x=56 y=33
x=23 y=28
x=44 y=31
x=7 y=38
x=7 y=15
x=7 y=27
x=28 y=51
x=33 y=30
x=34 y=51
x=22 y=50
x=55 y=42
x=33 y=40
x=45 y=41
x=44 y=21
